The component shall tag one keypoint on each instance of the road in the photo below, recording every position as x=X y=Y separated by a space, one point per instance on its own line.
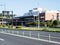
x=54 y=36
x=14 y=40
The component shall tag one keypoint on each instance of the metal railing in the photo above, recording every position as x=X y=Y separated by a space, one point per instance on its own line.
x=32 y=34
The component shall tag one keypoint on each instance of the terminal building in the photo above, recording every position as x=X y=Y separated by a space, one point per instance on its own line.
x=38 y=14
x=44 y=14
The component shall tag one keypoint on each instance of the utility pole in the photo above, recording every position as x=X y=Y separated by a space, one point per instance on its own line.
x=38 y=21
x=34 y=20
x=12 y=17
x=38 y=15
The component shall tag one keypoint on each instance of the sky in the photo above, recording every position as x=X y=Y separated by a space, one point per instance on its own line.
x=22 y=6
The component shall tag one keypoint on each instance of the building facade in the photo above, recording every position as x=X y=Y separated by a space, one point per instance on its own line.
x=38 y=14
x=44 y=14
x=5 y=17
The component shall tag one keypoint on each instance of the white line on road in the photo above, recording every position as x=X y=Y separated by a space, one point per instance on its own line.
x=1 y=39
x=32 y=38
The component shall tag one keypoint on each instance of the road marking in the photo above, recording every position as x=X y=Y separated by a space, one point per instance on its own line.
x=32 y=38
x=1 y=39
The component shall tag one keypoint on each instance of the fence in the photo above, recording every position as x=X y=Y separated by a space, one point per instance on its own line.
x=32 y=34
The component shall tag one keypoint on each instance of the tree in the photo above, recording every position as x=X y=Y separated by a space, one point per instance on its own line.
x=32 y=23
x=55 y=23
x=49 y=23
x=43 y=24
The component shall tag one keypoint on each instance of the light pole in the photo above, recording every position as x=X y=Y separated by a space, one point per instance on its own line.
x=38 y=20
x=12 y=17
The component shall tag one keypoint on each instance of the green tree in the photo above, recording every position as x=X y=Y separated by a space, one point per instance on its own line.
x=49 y=23
x=43 y=23
x=32 y=23
x=55 y=23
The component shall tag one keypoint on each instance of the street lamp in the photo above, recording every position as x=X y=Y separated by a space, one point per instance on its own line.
x=38 y=20
x=12 y=17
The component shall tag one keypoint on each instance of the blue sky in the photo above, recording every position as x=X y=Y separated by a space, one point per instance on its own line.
x=22 y=6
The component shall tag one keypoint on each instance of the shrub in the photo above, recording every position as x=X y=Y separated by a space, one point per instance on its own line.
x=18 y=26
x=49 y=24
x=10 y=26
x=2 y=25
x=55 y=23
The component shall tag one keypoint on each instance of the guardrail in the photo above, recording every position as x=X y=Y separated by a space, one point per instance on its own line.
x=31 y=34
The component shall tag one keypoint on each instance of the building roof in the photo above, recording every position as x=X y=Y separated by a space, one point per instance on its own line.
x=36 y=11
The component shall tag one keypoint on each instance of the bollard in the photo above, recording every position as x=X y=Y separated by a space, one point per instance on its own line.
x=17 y=32
x=8 y=31
x=5 y=30
x=49 y=37
x=23 y=33
x=38 y=35
x=30 y=34
x=12 y=32
x=2 y=31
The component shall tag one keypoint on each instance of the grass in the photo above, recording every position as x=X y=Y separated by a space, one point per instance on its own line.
x=37 y=29
x=52 y=29
x=29 y=28
x=41 y=29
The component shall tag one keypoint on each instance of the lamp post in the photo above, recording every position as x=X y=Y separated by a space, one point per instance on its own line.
x=12 y=17
x=38 y=20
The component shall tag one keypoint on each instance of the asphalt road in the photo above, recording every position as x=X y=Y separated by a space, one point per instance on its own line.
x=54 y=36
x=14 y=40
x=42 y=35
